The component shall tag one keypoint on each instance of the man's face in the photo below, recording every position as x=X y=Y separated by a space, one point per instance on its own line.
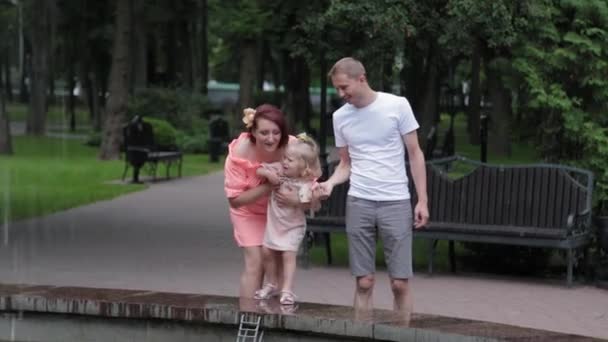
x=348 y=88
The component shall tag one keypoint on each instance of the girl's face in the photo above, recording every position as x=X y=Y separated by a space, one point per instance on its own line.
x=293 y=164
x=267 y=135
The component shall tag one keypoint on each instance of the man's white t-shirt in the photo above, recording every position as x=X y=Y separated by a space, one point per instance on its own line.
x=373 y=135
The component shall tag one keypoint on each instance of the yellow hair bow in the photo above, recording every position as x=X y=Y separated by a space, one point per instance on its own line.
x=304 y=138
x=248 y=116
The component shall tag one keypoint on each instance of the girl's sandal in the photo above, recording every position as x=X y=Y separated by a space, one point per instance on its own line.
x=266 y=292
x=287 y=298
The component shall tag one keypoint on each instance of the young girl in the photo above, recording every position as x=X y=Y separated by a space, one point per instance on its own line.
x=286 y=225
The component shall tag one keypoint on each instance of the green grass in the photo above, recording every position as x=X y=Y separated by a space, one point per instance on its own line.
x=522 y=152
x=56 y=114
x=47 y=175
x=339 y=249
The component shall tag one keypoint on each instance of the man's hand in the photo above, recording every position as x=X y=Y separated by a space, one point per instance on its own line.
x=323 y=190
x=421 y=215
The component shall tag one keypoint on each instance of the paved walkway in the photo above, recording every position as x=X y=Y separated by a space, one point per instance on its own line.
x=176 y=236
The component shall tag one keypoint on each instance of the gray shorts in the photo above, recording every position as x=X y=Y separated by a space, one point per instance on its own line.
x=394 y=221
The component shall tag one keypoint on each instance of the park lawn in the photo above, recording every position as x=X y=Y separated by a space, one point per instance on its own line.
x=47 y=175
x=55 y=116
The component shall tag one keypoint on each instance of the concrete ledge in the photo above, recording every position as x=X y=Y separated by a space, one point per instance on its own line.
x=307 y=318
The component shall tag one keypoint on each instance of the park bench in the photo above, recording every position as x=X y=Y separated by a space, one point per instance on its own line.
x=141 y=150
x=539 y=205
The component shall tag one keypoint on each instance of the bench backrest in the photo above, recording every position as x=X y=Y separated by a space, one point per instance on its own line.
x=138 y=133
x=539 y=195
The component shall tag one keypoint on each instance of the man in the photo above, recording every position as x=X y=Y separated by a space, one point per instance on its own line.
x=372 y=131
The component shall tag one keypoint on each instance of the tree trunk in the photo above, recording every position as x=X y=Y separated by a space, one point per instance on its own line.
x=152 y=53
x=499 y=140
x=36 y=120
x=387 y=71
x=52 y=33
x=186 y=55
x=6 y=146
x=119 y=84
x=429 y=107
x=8 y=87
x=70 y=84
x=94 y=101
x=204 y=53
x=474 y=105
x=246 y=76
x=412 y=76
x=171 y=54
x=139 y=52
x=262 y=57
x=297 y=83
x=23 y=58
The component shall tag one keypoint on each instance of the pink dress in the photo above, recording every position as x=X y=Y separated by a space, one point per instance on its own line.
x=248 y=221
x=286 y=226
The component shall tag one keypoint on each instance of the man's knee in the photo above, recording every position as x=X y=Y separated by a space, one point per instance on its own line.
x=400 y=286
x=365 y=283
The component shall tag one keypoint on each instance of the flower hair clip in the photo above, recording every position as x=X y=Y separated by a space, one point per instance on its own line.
x=303 y=137
x=248 y=116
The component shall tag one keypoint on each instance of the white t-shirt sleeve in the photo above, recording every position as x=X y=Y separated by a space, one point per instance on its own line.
x=338 y=136
x=407 y=120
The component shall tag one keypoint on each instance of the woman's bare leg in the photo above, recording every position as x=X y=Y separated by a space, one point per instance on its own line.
x=253 y=271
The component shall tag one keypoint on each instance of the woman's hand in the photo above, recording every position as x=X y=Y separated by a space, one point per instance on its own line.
x=288 y=197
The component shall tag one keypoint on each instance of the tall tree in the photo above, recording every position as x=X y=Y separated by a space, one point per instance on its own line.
x=204 y=46
x=242 y=22
x=119 y=83
x=6 y=146
x=40 y=15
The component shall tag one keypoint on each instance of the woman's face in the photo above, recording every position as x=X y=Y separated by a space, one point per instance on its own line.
x=267 y=135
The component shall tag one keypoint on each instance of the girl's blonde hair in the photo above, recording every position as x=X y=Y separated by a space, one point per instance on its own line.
x=309 y=152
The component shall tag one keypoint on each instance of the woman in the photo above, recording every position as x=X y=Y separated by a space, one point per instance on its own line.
x=247 y=193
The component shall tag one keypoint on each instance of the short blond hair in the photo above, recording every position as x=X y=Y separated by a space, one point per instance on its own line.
x=348 y=66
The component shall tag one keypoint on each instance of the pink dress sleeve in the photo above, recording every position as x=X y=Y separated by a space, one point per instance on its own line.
x=239 y=173
x=235 y=178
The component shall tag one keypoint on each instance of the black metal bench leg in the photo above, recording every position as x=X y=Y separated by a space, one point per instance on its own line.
x=179 y=168
x=327 y=239
x=124 y=172
x=432 y=245
x=570 y=267
x=452 y=257
x=136 y=174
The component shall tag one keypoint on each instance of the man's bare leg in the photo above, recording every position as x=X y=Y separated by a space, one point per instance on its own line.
x=363 y=293
x=402 y=298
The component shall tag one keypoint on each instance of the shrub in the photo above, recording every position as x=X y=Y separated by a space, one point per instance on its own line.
x=178 y=107
x=165 y=135
x=93 y=139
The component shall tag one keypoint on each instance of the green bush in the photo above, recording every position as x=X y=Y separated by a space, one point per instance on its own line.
x=195 y=139
x=193 y=143
x=165 y=135
x=93 y=139
x=180 y=108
